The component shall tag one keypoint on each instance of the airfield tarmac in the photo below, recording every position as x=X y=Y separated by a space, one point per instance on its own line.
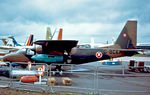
x=94 y=77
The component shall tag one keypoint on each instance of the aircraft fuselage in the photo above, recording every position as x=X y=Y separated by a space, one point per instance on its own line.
x=80 y=56
x=77 y=56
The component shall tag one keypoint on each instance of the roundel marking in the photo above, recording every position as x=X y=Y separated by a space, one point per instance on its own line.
x=124 y=35
x=99 y=54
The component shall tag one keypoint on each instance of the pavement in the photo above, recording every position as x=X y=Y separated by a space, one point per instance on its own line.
x=96 y=78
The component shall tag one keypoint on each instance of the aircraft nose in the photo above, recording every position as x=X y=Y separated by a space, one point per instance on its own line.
x=6 y=58
x=15 y=58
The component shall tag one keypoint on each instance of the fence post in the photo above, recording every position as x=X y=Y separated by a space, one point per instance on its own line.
x=50 y=76
x=10 y=76
x=123 y=69
x=46 y=71
x=96 y=83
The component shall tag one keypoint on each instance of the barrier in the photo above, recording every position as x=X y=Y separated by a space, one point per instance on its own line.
x=51 y=81
x=98 y=79
x=66 y=81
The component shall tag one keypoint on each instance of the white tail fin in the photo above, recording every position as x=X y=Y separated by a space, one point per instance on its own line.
x=92 y=42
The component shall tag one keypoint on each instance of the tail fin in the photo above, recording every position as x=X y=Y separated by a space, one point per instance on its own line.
x=4 y=41
x=30 y=40
x=48 y=34
x=60 y=34
x=14 y=41
x=128 y=36
x=92 y=42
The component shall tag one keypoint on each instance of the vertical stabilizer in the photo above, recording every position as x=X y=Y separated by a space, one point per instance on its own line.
x=128 y=36
x=92 y=42
x=30 y=40
x=48 y=34
x=60 y=34
x=4 y=41
x=14 y=41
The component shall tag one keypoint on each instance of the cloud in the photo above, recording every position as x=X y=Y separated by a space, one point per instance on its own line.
x=22 y=30
x=76 y=11
x=143 y=33
x=83 y=32
x=80 y=19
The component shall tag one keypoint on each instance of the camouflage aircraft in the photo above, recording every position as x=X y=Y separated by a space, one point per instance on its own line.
x=66 y=51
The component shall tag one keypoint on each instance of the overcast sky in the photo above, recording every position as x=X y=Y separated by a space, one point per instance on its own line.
x=80 y=19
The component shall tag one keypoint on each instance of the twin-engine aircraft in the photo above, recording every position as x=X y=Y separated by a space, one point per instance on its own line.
x=8 y=48
x=66 y=51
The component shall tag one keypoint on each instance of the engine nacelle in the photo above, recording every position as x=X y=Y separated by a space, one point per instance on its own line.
x=48 y=58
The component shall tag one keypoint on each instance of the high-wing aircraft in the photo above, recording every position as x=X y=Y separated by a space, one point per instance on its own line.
x=65 y=51
x=6 y=49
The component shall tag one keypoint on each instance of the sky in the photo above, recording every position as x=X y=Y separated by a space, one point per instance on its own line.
x=80 y=19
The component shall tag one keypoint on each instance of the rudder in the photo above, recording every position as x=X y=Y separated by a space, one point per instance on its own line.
x=128 y=36
x=48 y=34
x=30 y=40
x=14 y=41
x=4 y=41
x=60 y=34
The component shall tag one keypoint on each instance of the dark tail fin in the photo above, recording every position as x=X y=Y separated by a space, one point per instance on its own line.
x=128 y=36
x=30 y=40
x=60 y=34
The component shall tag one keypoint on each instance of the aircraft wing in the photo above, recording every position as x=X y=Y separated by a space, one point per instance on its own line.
x=56 y=46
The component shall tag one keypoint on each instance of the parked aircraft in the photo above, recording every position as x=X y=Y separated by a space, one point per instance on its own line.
x=14 y=41
x=4 y=41
x=9 y=48
x=60 y=34
x=49 y=35
x=92 y=44
x=65 y=51
x=145 y=47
